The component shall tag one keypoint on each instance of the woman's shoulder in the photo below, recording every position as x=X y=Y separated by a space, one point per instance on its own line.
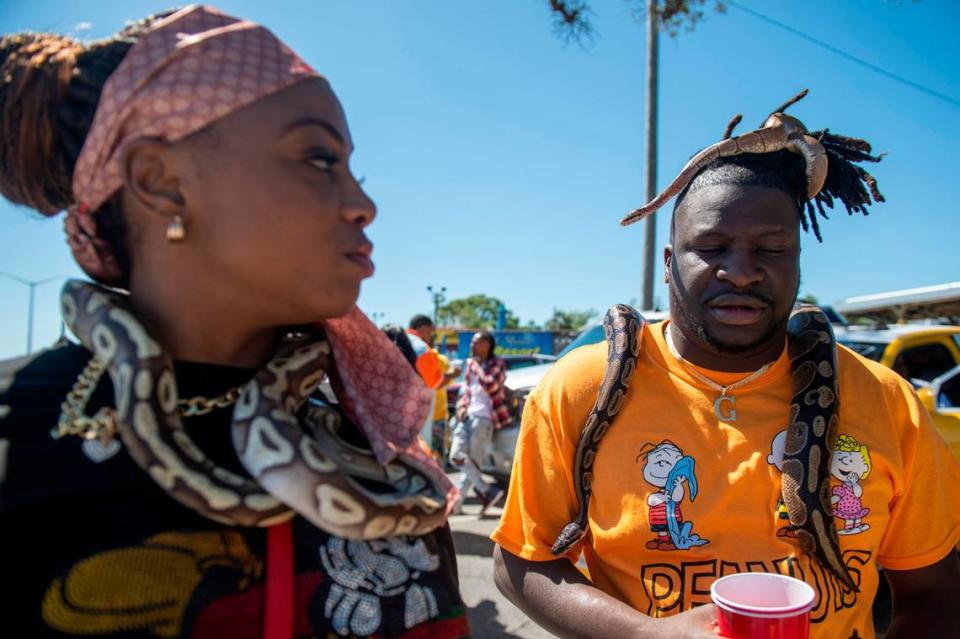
x=32 y=387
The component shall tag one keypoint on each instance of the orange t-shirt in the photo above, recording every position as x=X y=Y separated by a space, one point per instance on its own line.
x=428 y=361
x=899 y=505
x=441 y=407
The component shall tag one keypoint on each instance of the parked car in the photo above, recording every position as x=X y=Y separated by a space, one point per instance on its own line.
x=928 y=356
x=918 y=352
x=942 y=399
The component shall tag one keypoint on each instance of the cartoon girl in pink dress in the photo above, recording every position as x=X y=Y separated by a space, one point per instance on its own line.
x=850 y=464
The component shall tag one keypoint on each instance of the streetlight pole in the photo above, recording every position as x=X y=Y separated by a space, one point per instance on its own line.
x=438 y=298
x=650 y=225
x=32 y=285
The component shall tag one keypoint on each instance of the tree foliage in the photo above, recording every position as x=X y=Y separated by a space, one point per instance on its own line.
x=569 y=320
x=475 y=311
x=677 y=15
x=571 y=18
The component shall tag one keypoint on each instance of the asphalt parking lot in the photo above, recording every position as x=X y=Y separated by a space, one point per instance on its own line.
x=490 y=614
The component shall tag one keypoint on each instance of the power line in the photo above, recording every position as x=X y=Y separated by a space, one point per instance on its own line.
x=844 y=54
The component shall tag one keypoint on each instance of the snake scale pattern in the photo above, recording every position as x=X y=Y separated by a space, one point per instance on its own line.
x=306 y=469
x=813 y=419
x=812 y=424
x=623 y=329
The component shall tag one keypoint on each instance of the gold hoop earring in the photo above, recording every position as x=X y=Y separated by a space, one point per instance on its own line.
x=176 y=232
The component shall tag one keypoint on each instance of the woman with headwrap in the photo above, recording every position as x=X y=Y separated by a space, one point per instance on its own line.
x=176 y=474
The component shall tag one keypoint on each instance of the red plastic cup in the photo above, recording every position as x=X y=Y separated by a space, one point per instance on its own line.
x=757 y=605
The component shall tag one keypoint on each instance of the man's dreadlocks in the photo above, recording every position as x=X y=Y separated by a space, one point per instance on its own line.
x=846 y=181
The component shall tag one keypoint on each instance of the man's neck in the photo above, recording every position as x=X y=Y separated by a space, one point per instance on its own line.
x=698 y=354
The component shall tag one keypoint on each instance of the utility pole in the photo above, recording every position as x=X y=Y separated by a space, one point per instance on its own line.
x=439 y=298
x=32 y=285
x=650 y=225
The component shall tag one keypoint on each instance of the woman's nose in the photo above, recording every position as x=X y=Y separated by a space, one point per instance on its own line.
x=358 y=208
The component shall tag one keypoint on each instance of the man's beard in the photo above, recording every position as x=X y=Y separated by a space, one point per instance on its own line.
x=696 y=326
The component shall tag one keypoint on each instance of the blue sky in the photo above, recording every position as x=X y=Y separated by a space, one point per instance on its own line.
x=501 y=159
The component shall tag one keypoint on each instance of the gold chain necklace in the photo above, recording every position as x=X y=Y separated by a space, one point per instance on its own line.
x=724 y=398
x=103 y=425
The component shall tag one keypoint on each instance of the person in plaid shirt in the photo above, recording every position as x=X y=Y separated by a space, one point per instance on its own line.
x=481 y=409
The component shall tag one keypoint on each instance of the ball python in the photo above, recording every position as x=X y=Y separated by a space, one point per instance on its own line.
x=779 y=131
x=805 y=483
x=812 y=424
x=338 y=487
x=623 y=329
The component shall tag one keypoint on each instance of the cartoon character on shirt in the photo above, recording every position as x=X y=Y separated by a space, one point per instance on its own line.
x=667 y=468
x=850 y=464
x=775 y=458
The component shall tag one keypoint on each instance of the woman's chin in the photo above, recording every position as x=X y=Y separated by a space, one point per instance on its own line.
x=336 y=306
x=308 y=303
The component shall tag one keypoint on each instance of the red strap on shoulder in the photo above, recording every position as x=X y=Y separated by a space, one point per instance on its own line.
x=278 y=607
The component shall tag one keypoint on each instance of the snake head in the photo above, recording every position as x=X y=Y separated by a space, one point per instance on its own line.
x=813 y=153
x=791 y=125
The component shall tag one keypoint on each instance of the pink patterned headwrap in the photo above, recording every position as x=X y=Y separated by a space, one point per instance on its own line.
x=188 y=70
x=381 y=392
x=185 y=72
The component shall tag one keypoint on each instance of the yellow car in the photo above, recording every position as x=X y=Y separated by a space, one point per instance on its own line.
x=928 y=356
x=942 y=399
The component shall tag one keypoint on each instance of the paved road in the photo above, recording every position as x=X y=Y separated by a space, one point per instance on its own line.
x=491 y=616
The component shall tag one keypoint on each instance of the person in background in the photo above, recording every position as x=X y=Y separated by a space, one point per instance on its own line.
x=434 y=371
x=398 y=336
x=440 y=436
x=420 y=332
x=481 y=409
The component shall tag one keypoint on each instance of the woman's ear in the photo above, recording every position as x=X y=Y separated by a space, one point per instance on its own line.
x=151 y=178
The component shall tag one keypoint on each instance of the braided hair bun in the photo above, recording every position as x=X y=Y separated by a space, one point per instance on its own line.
x=35 y=169
x=49 y=89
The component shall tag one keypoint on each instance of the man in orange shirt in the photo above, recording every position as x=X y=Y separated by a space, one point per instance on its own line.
x=708 y=401
x=431 y=366
x=421 y=332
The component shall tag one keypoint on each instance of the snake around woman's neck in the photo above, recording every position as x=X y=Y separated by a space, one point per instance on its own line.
x=813 y=414
x=296 y=461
